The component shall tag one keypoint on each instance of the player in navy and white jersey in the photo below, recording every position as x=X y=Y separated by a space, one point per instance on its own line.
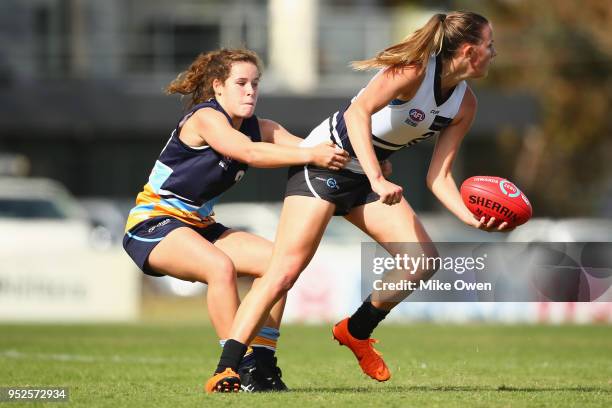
x=400 y=123
x=419 y=92
x=171 y=229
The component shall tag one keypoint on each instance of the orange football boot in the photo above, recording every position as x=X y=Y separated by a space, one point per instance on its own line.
x=227 y=381
x=369 y=358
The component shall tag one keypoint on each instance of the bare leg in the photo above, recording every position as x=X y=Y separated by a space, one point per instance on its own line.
x=185 y=255
x=301 y=226
x=251 y=256
x=389 y=225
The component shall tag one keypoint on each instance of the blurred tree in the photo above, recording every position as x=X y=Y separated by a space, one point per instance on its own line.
x=561 y=51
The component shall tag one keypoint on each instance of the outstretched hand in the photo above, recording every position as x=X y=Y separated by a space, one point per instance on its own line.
x=329 y=156
x=491 y=225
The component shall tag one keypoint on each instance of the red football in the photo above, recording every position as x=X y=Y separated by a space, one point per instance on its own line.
x=496 y=197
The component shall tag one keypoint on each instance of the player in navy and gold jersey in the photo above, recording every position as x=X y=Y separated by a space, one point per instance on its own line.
x=419 y=92
x=171 y=229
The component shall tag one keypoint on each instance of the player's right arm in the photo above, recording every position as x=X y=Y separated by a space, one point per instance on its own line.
x=381 y=90
x=440 y=177
x=214 y=130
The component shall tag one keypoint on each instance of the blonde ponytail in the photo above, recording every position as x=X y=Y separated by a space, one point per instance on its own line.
x=442 y=34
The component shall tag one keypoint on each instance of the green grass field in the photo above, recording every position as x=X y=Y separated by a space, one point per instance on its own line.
x=164 y=364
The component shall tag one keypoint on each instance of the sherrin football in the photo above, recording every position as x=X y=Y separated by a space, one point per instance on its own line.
x=497 y=197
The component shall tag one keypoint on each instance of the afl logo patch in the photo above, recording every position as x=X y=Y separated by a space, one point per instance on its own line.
x=416 y=115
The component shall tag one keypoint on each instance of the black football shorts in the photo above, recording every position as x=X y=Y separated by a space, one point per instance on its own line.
x=343 y=188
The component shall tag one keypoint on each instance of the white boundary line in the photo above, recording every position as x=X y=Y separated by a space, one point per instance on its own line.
x=79 y=358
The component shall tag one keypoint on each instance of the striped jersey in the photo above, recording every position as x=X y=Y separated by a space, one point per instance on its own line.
x=400 y=123
x=186 y=182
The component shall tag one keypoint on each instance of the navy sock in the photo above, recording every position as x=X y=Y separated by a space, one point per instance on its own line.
x=233 y=351
x=363 y=322
x=263 y=354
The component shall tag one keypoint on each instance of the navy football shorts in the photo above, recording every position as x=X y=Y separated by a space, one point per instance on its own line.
x=343 y=188
x=142 y=238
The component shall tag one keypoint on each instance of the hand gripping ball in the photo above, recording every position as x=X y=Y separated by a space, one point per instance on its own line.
x=491 y=196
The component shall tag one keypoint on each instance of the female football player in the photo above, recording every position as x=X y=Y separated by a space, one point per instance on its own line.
x=171 y=230
x=420 y=91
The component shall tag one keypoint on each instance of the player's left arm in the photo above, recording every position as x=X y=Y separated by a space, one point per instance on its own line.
x=272 y=132
x=440 y=177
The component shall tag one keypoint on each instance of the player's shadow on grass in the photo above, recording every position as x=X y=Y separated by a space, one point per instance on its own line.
x=449 y=388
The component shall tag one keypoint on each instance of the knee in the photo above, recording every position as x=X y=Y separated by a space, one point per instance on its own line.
x=286 y=278
x=283 y=271
x=285 y=282
x=222 y=272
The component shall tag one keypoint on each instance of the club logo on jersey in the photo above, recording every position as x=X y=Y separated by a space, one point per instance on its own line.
x=509 y=189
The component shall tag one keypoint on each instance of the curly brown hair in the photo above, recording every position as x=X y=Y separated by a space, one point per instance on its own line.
x=197 y=80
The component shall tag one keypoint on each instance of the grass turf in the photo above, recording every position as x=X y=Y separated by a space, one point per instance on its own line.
x=432 y=365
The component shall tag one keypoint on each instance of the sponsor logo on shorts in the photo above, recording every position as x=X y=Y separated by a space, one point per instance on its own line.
x=332 y=183
x=329 y=182
x=159 y=224
x=239 y=176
